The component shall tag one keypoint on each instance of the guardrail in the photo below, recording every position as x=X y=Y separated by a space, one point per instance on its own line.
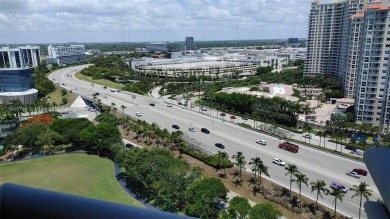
x=18 y=201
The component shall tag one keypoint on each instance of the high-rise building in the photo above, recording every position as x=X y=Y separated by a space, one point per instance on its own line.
x=328 y=37
x=189 y=44
x=16 y=73
x=372 y=98
x=64 y=55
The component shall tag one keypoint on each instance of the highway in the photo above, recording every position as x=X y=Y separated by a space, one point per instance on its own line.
x=313 y=163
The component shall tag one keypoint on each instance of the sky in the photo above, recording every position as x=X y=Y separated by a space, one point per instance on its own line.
x=63 y=21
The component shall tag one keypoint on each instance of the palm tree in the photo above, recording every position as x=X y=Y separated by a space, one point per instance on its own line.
x=240 y=161
x=123 y=107
x=301 y=179
x=362 y=191
x=319 y=186
x=319 y=133
x=338 y=194
x=262 y=169
x=223 y=156
x=255 y=162
x=292 y=170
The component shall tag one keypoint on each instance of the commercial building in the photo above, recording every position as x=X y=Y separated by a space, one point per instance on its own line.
x=64 y=55
x=189 y=44
x=292 y=40
x=372 y=99
x=16 y=73
x=156 y=47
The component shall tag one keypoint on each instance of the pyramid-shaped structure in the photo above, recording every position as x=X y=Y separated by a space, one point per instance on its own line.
x=79 y=103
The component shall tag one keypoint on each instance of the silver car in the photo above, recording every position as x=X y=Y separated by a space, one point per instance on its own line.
x=353 y=174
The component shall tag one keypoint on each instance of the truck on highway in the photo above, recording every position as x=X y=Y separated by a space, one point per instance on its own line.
x=288 y=146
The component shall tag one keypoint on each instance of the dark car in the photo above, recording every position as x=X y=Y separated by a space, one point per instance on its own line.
x=97 y=93
x=105 y=87
x=130 y=146
x=219 y=145
x=204 y=130
x=151 y=104
x=175 y=127
x=362 y=172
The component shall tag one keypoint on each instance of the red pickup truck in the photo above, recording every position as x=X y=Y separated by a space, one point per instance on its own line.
x=288 y=146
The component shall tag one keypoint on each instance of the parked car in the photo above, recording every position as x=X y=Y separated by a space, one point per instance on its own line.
x=307 y=135
x=244 y=118
x=204 y=109
x=175 y=127
x=112 y=90
x=219 y=145
x=204 y=130
x=138 y=114
x=353 y=174
x=337 y=185
x=169 y=105
x=359 y=153
x=191 y=129
x=279 y=162
x=97 y=93
x=118 y=91
x=362 y=172
x=262 y=142
x=130 y=146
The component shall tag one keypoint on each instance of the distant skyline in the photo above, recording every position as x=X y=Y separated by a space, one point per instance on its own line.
x=63 y=21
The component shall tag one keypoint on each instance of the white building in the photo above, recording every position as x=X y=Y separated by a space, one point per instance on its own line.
x=64 y=55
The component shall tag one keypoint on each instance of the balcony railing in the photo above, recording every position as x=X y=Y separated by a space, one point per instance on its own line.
x=18 y=201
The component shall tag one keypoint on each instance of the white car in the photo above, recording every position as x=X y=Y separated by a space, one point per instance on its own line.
x=353 y=174
x=204 y=109
x=278 y=162
x=309 y=136
x=262 y=142
x=169 y=105
x=138 y=114
x=191 y=129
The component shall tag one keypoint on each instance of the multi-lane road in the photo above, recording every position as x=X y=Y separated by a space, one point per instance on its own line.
x=314 y=163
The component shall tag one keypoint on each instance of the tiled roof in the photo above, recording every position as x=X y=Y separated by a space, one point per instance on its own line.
x=358 y=15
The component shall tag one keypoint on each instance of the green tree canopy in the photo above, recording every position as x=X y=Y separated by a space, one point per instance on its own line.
x=264 y=210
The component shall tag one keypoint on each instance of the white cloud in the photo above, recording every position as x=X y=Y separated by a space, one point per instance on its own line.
x=168 y=19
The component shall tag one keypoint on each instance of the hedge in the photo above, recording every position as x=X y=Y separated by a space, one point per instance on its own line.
x=209 y=160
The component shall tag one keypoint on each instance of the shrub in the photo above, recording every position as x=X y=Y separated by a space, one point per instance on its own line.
x=209 y=160
x=64 y=91
x=254 y=89
x=64 y=100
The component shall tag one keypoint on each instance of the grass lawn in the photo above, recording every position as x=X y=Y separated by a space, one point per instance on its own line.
x=102 y=82
x=56 y=97
x=78 y=174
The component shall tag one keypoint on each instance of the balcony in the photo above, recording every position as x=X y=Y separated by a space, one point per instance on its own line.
x=25 y=202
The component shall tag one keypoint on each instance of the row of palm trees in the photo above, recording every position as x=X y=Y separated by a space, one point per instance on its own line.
x=318 y=186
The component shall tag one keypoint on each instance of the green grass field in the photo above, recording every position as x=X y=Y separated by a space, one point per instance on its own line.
x=78 y=174
x=56 y=97
x=102 y=82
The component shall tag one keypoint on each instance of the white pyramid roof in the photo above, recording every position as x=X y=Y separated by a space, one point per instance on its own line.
x=79 y=103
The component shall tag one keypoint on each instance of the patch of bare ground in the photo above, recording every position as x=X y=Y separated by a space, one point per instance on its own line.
x=266 y=191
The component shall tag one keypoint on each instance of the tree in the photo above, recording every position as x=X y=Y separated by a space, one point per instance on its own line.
x=264 y=210
x=240 y=161
x=203 y=196
x=292 y=170
x=337 y=194
x=239 y=207
x=48 y=137
x=319 y=186
x=361 y=191
x=223 y=157
x=255 y=162
x=301 y=179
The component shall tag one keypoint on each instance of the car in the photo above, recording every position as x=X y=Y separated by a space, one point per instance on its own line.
x=105 y=87
x=356 y=152
x=279 y=162
x=118 y=91
x=105 y=97
x=179 y=103
x=262 y=142
x=54 y=79
x=138 y=114
x=94 y=95
x=151 y=104
x=219 y=145
x=97 y=93
x=175 y=127
x=169 y=105
x=362 y=172
x=244 y=118
x=112 y=90
x=130 y=146
x=191 y=129
x=353 y=174
x=63 y=84
x=336 y=185
x=307 y=135
x=204 y=130
x=204 y=109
